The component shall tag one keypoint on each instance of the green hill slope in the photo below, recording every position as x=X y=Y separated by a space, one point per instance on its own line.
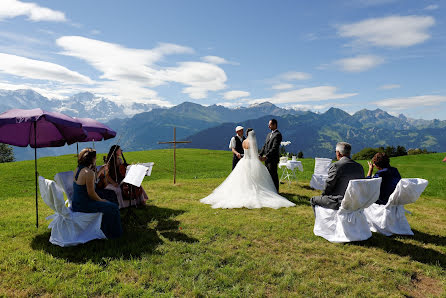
x=181 y=247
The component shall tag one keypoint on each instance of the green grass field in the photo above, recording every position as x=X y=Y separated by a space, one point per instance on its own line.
x=184 y=248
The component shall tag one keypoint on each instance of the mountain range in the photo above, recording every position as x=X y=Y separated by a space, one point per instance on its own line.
x=314 y=134
x=211 y=127
x=79 y=105
x=317 y=134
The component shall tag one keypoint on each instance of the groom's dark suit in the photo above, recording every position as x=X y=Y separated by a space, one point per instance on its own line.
x=271 y=150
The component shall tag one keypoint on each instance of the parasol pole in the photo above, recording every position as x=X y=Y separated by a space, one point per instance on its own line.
x=35 y=167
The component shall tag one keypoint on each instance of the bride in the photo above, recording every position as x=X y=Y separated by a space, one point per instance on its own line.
x=249 y=184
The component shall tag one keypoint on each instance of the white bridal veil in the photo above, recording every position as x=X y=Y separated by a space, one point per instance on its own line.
x=253 y=151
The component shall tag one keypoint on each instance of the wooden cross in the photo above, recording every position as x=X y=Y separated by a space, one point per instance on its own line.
x=174 y=142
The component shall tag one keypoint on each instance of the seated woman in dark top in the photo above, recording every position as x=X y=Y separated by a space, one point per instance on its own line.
x=390 y=176
x=85 y=198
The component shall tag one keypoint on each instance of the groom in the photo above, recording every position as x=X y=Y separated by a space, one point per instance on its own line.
x=270 y=152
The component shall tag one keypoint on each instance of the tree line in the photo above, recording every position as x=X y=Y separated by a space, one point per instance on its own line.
x=391 y=151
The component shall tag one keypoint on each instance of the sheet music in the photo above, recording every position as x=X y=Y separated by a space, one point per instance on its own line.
x=149 y=165
x=135 y=175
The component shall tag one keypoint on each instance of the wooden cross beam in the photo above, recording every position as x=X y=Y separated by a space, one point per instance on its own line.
x=174 y=142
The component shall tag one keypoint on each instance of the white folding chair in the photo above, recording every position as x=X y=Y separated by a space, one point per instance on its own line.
x=390 y=219
x=65 y=181
x=321 y=166
x=68 y=228
x=348 y=223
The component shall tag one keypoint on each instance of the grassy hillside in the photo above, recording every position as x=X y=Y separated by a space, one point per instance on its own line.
x=182 y=247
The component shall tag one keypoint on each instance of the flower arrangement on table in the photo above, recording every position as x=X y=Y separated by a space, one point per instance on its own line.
x=282 y=148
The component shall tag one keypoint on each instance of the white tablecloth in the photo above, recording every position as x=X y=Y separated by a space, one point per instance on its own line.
x=292 y=164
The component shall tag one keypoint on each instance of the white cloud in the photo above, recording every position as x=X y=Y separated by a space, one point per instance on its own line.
x=392 y=31
x=118 y=63
x=282 y=86
x=217 y=60
x=43 y=90
x=359 y=63
x=390 y=86
x=317 y=107
x=199 y=76
x=24 y=45
x=295 y=76
x=121 y=93
x=235 y=94
x=432 y=7
x=411 y=102
x=309 y=107
x=307 y=94
x=40 y=70
x=214 y=60
x=34 y=12
x=127 y=93
x=229 y=104
x=20 y=38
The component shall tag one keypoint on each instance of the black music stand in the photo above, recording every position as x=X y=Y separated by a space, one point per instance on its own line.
x=130 y=212
x=139 y=176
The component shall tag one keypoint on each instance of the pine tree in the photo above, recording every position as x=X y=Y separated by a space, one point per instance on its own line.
x=6 y=153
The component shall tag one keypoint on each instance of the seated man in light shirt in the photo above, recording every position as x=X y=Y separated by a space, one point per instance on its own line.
x=236 y=145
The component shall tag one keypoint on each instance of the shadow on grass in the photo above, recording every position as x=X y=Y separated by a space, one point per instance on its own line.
x=427 y=238
x=296 y=199
x=394 y=245
x=137 y=240
x=308 y=187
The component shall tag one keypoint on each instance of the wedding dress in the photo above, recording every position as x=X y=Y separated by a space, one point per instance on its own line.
x=249 y=185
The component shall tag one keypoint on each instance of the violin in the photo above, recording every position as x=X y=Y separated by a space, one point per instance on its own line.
x=123 y=167
x=101 y=179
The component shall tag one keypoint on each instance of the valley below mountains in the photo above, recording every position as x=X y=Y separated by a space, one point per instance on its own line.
x=211 y=127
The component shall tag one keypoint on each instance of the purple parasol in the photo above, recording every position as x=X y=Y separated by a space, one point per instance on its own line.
x=39 y=129
x=96 y=131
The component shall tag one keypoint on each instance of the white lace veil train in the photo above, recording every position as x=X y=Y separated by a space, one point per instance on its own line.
x=253 y=150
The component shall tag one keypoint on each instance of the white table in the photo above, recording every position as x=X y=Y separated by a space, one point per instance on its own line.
x=289 y=170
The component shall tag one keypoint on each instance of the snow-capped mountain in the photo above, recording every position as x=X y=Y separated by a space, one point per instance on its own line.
x=79 y=105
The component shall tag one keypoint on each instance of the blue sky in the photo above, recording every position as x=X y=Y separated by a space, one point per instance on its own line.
x=351 y=54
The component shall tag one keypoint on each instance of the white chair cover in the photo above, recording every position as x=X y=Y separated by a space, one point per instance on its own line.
x=68 y=228
x=65 y=180
x=321 y=166
x=391 y=219
x=348 y=223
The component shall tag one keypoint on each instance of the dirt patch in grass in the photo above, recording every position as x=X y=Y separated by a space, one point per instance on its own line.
x=422 y=286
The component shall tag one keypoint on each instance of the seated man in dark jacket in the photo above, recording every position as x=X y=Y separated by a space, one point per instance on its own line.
x=390 y=176
x=339 y=174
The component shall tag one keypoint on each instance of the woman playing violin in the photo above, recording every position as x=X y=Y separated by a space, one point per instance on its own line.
x=114 y=171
